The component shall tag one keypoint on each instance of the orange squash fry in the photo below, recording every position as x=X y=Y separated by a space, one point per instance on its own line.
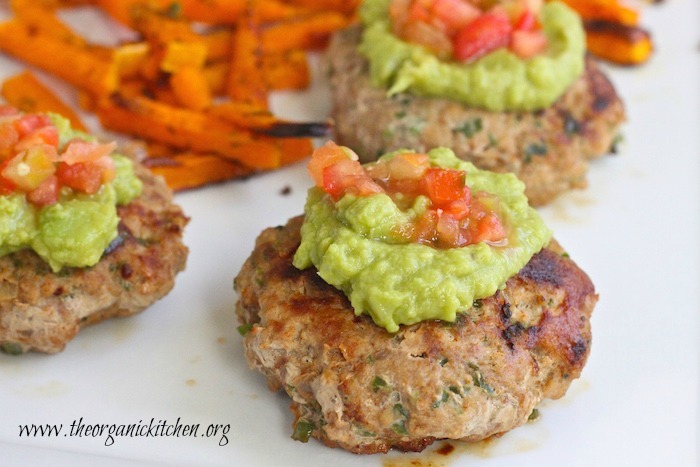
x=295 y=149
x=311 y=32
x=347 y=7
x=86 y=71
x=178 y=54
x=186 y=129
x=45 y=20
x=288 y=71
x=191 y=88
x=130 y=58
x=188 y=170
x=243 y=114
x=246 y=81
x=615 y=11
x=30 y=95
x=218 y=44
x=215 y=12
x=620 y=44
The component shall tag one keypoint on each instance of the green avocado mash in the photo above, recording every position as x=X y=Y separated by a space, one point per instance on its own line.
x=498 y=81
x=75 y=231
x=351 y=245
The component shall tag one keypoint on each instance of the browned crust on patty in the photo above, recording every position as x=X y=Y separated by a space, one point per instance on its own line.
x=367 y=390
x=42 y=311
x=549 y=150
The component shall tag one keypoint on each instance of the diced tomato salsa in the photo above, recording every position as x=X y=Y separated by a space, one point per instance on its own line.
x=466 y=30
x=456 y=216
x=32 y=163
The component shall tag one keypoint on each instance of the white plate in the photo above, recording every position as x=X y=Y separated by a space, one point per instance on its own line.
x=635 y=230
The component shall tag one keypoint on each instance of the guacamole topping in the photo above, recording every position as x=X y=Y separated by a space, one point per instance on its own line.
x=72 y=222
x=498 y=81
x=353 y=243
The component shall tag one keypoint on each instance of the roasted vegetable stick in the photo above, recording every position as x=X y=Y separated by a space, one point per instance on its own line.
x=295 y=149
x=347 y=7
x=190 y=170
x=186 y=129
x=191 y=88
x=183 y=54
x=246 y=80
x=286 y=71
x=85 y=70
x=129 y=59
x=311 y=32
x=213 y=11
x=620 y=44
x=44 y=19
x=609 y=10
x=28 y=94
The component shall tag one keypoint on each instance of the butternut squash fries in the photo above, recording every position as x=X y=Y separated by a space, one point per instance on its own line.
x=613 y=32
x=195 y=83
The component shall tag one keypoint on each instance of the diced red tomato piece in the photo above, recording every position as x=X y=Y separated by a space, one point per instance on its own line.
x=459 y=208
x=46 y=135
x=8 y=111
x=81 y=176
x=485 y=34
x=47 y=193
x=6 y=185
x=448 y=231
x=425 y=230
x=418 y=11
x=455 y=14
x=348 y=176
x=487 y=229
x=526 y=44
x=79 y=150
x=526 y=22
x=27 y=123
x=8 y=138
x=443 y=186
x=28 y=169
x=325 y=156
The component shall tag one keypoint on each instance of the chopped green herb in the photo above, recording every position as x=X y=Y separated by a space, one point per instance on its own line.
x=444 y=361
x=303 y=430
x=400 y=114
x=243 y=329
x=455 y=389
x=387 y=133
x=534 y=415
x=571 y=125
x=13 y=348
x=378 y=383
x=174 y=10
x=445 y=397
x=470 y=127
x=534 y=149
x=401 y=410
x=615 y=146
x=399 y=427
x=493 y=142
x=477 y=304
x=478 y=379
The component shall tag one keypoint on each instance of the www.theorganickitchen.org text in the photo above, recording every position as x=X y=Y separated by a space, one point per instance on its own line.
x=142 y=429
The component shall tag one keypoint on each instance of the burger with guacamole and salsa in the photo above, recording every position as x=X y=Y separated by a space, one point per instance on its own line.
x=85 y=233
x=418 y=298
x=505 y=83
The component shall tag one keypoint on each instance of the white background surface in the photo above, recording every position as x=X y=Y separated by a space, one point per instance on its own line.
x=635 y=230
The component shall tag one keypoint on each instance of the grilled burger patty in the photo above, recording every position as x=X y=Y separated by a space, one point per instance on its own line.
x=42 y=311
x=548 y=150
x=356 y=386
